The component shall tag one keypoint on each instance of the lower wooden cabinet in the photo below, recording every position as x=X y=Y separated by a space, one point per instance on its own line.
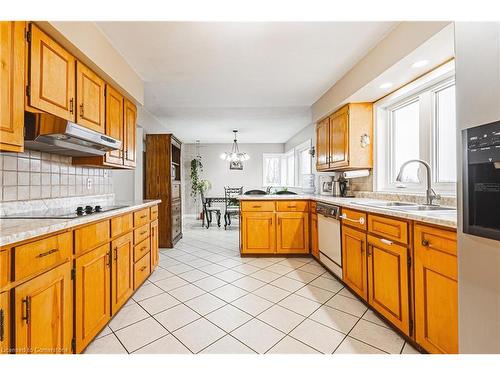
x=354 y=260
x=388 y=291
x=44 y=313
x=122 y=271
x=258 y=232
x=292 y=235
x=92 y=294
x=436 y=289
x=155 y=251
x=314 y=236
x=4 y=323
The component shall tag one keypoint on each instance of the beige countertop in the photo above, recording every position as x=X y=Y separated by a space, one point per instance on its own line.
x=443 y=218
x=16 y=230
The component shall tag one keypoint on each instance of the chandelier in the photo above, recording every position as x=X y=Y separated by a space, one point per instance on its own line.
x=235 y=155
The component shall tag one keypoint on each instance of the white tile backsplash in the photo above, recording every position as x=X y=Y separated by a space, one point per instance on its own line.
x=35 y=175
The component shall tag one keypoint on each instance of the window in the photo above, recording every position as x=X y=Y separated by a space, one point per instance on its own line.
x=418 y=122
x=287 y=169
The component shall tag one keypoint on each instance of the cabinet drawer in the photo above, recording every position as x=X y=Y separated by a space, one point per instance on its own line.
x=176 y=209
x=141 y=233
x=154 y=212
x=141 y=217
x=91 y=236
x=41 y=255
x=176 y=220
x=141 y=249
x=388 y=228
x=436 y=239
x=293 y=206
x=121 y=224
x=176 y=191
x=353 y=218
x=142 y=269
x=176 y=230
x=257 y=206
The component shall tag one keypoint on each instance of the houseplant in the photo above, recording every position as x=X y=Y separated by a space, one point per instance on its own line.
x=198 y=185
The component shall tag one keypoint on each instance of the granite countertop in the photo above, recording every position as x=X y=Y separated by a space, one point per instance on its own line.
x=445 y=218
x=16 y=230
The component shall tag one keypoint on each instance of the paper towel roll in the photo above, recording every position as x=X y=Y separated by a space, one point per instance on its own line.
x=355 y=174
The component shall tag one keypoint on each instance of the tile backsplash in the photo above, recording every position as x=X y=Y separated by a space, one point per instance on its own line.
x=40 y=175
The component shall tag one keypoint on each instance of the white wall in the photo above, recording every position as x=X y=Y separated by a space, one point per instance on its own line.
x=477 y=48
x=217 y=171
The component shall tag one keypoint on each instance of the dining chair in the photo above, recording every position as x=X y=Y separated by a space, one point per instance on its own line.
x=232 y=204
x=208 y=211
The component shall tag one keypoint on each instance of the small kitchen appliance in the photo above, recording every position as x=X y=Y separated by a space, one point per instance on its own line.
x=326 y=185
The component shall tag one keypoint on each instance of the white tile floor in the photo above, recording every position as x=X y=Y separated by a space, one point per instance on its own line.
x=204 y=298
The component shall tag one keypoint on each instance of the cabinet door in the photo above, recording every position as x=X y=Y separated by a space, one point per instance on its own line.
x=92 y=299
x=12 y=56
x=130 y=115
x=114 y=123
x=258 y=232
x=155 y=254
x=322 y=144
x=122 y=271
x=44 y=313
x=339 y=138
x=292 y=233
x=4 y=323
x=52 y=76
x=314 y=236
x=90 y=98
x=436 y=290
x=388 y=281
x=354 y=260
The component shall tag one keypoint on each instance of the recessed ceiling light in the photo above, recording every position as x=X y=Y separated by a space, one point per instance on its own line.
x=420 y=63
x=385 y=85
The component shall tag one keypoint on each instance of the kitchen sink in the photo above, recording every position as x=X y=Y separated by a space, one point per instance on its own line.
x=404 y=206
x=386 y=204
x=426 y=208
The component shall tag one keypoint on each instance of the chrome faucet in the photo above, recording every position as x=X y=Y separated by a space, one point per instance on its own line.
x=431 y=194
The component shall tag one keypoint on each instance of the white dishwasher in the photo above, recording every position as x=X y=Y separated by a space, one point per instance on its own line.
x=329 y=240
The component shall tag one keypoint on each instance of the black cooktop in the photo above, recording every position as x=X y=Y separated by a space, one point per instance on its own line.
x=62 y=213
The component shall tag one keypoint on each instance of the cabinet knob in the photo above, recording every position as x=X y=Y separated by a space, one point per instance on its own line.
x=425 y=243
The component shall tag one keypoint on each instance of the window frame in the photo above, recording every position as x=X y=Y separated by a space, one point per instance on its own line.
x=423 y=89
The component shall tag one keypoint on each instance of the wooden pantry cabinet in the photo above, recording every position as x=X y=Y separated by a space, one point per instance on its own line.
x=343 y=140
x=12 y=89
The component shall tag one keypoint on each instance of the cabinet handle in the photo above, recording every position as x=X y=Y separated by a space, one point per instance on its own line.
x=368 y=252
x=143 y=216
x=425 y=243
x=361 y=220
x=108 y=258
x=116 y=253
x=387 y=242
x=26 y=309
x=51 y=251
x=71 y=103
x=81 y=110
x=292 y=206
x=143 y=268
x=256 y=206
x=143 y=232
x=143 y=248
x=2 y=330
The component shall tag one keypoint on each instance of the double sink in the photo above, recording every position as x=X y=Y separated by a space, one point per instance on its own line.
x=403 y=206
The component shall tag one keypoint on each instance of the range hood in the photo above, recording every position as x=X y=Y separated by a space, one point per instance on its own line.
x=48 y=133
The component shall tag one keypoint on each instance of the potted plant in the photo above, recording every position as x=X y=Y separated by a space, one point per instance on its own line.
x=198 y=185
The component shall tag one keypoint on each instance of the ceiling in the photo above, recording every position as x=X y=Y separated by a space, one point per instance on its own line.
x=203 y=79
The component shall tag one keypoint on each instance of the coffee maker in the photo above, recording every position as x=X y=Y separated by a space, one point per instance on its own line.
x=326 y=185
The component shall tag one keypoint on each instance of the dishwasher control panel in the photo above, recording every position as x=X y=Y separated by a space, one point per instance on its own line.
x=328 y=210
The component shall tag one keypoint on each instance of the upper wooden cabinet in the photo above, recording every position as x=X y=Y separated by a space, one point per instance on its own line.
x=51 y=77
x=12 y=89
x=114 y=123
x=130 y=118
x=343 y=140
x=90 y=98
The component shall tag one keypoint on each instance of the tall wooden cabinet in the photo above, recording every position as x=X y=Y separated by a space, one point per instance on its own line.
x=344 y=139
x=163 y=181
x=12 y=89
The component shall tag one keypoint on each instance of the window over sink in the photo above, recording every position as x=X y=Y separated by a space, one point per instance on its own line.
x=418 y=122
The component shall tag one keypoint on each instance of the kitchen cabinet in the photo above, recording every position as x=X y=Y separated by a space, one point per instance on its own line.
x=12 y=89
x=388 y=291
x=314 y=236
x=51 y=76
x=292 y=234
x=343 y=140
x=92 y=295
x=90 y=98
x=258 y=232
x=155 y=251
x=4 y=323
x=114 y=123
x=129 y=141
x=436 y=289
x=122 y=271
x=44 y=313
x=354 y=262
